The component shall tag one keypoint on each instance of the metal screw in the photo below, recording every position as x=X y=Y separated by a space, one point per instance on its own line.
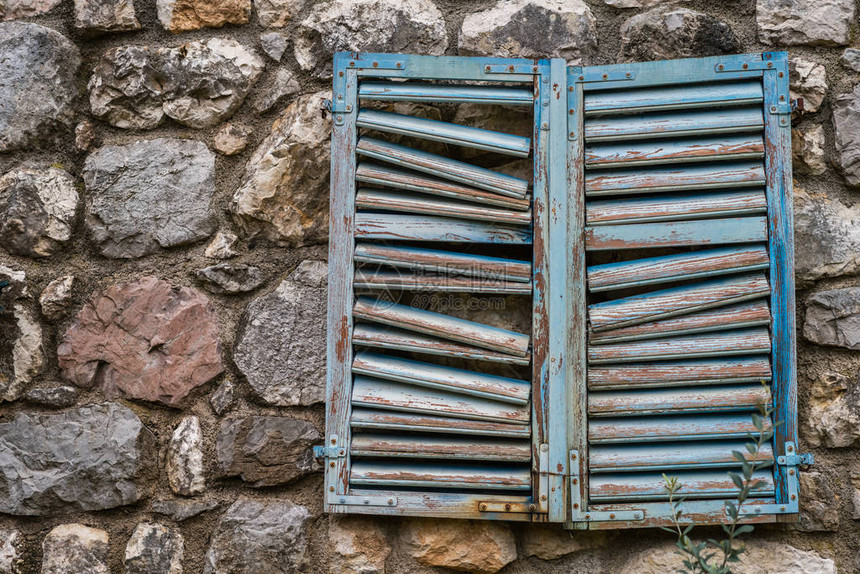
x=576 y=505
x=334 y=441
x=781 y=74
x=570 y=88
x=612 y=516
x=581 y=78
x=794 y=497
x=340 y=119
x=782 y=508
x=507 y=508
x=482 y=507
x=573 y=135
x=511 y=69
x=399 y=64
x=575 y=481
x=782 y=98
x=543 y=496
x=352 y=63
x=791 y=472
x=605 y=76
x=570 y=111
x=366 y=501
x=637 y=516
x=745 y=66
x=340 y=73
x=390 y=501
x=758 y=509
x=573 y=456
x=376 y=64
x=544 y=447
x=331 y=489
x=770 y=64
x=790 y=448
x=588 y=517
x=532 y=507
x=721 y=67
x=486 y=68
x=773 y=108
x=340 y=96
x=534 y=68
x=627 y=75
x=331 y=464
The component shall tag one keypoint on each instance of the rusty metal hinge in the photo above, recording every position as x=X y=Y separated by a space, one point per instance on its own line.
x=596 y=75
x=578 y=510
x=791 y=460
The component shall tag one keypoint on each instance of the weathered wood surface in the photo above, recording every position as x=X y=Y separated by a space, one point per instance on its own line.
x=676 y=301
x=405 y=202
x=376 y=420
x=672 y=428
x=390 y=395
x=442 y=167
x=668 y=268
x=694 y=485
x=423 y=128
x=440 y=93
x=674 y=401
x=751 y=341
x=396 y=226
x=437 y=447
x=451 y=262
x=423 y=374
x=387 y=176
x=675 y=207
x=674 y=97
x=656 y=152
x=749 y=314
x=414 y=475
x=394 y=280
x=680 y=373
x=700 y=123
x=440 y=325
x=675 y=178
x=673 y=456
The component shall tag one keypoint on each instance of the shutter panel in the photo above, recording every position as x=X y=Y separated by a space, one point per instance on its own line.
x=683 y=169
x=652 y=245
x=429 y=413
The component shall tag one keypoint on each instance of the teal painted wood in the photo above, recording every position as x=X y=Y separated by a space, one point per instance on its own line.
x=660 y=152
x=676 y=97
x=676 y=178
x=674 y=124
x=673 y=456
x=574 y=294
x=435 y=93
x=443 y=167
x=781 y=247
x=430 y=228
x=392 y=420
x=423 y=128
x=676 y=207
x=676 y=234
x=340 y=293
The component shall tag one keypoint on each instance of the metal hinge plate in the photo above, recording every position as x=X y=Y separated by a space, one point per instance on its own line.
x=580 y=514
x=329 y=452
x=735 y=66
x=358 y=500
x=596 y=75
x=790 y=461
x=512 y=69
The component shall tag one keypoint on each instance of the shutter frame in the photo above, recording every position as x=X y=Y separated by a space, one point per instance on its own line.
x=559 y=395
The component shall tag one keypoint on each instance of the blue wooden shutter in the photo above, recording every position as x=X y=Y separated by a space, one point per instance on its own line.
x=407 y=432
x=683 y=175
x=653 y=243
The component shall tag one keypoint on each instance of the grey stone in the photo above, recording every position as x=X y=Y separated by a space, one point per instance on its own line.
x=180 y=510
x=281 y=345
x=38 y=88
x=804 y=22
x=230 y=278
x=833 y=318
x=125 y=88
x=832 y=412
x=37 y=210
x=12 y=9
x=274 y=44
x=56 y=397
x=231 y=139
x=476 y=546
x=277 y=13
x=760 y=557
x=28 y=355
x=846 y=119
x=17 y=283
x=205 y=82
x=284 y=193
x=851 y=59
x=56 y=297
x=826 y=237
x=807 y=150
x=626 y=4
x=221 y=246
x=75 y=548
x=531 y=29
x=819 y=509
x=154 y=549
x=11 y=551
x=259 y=536
x=548 y=543
x=149 y=195
x=98 y=16
x=198 y=84
x=89 y=458
x=855 y=495
x=266 y=451
x=671 y=32
x=414 y=26
x=222 y=398
x=807 y=80
x=283 y=86
x=185 y=458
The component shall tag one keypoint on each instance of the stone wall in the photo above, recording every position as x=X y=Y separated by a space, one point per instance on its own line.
x=163 y=197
